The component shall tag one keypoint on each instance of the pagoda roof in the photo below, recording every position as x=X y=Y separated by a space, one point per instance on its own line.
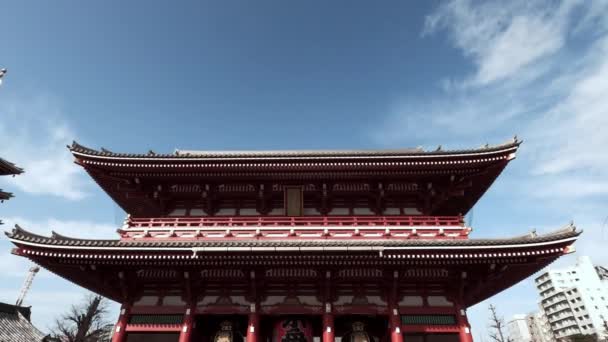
x=447 y=182
x=21 y=236
x=80 y=150
x=489 y=265
x=8 y=168
x=16 y=326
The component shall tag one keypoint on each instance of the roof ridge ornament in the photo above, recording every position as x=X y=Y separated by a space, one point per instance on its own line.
x=20 y=233
x=57 y=236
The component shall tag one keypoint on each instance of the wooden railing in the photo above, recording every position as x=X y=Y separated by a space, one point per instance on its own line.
x=285 y=221
x=307 y=227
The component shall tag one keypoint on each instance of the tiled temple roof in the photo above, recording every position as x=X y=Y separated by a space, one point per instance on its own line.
x=8 y=168
x=18 y=234
x=16 y=327
x=201 y=154
x=5 y=195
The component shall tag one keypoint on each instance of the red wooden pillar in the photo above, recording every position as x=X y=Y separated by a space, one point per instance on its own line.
x=186 y=332
x=395 y=324
x=394 y=316
x=328 y=324
x=253 y=326
x=464 y=329
x=120 y=329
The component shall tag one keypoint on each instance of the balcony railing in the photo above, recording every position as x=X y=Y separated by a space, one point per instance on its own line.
x=293 y=221
x=256 y=227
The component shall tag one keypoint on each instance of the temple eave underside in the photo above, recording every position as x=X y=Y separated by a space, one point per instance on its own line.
x=358 y=245
x=466 y=270
x=333 y=182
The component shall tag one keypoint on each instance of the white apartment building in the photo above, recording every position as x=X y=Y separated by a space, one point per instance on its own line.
x=532 y=327
x=538 y=325
x=518 y=329
x=575 y=299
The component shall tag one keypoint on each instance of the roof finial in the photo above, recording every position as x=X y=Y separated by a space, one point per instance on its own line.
x=151 y=153
x=438 y=148
x=515 y=138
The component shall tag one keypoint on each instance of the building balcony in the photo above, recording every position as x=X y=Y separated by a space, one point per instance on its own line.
x=451 y=227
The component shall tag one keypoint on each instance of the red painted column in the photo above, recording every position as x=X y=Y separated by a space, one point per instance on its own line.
x=395 y=324
x=394 y=316
x=253 y=326
x=464 y=329
x=328 y=324
x=120 y=333
x=187 y=326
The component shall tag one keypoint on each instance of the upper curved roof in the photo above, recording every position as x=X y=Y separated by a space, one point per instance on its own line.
x=131 y=179
x=80 y=150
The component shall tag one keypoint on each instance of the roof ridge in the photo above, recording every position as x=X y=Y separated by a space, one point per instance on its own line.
x=78 y=148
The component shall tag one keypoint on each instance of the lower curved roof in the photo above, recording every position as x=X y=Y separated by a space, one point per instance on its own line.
x=483 y=267
x=20 y=236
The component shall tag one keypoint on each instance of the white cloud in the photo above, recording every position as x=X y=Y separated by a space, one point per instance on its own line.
x=34 y=135
x=501 y=38
x=577 y=138
x=555 y=101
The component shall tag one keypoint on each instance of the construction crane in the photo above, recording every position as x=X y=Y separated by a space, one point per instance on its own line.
x=27 y=284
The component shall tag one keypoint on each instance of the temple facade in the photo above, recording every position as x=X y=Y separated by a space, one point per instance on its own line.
x=261 y=246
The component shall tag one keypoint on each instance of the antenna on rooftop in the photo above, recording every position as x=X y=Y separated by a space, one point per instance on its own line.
x=27 y=284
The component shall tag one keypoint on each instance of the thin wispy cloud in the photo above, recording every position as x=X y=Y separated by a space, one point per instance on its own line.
x=502 y=38
x=33 y=135
x=539 y=71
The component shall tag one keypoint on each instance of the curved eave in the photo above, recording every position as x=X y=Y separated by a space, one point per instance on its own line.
x=82 y=152
x=5 y=195
x=8 y=168
x=21 y=237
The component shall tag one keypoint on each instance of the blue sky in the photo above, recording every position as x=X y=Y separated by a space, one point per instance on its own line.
x=314 y=74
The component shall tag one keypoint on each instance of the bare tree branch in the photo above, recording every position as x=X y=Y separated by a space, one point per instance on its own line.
x=498 y=325
x=82 y=323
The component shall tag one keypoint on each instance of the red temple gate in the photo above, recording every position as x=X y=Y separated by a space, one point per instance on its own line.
x=295 y=245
